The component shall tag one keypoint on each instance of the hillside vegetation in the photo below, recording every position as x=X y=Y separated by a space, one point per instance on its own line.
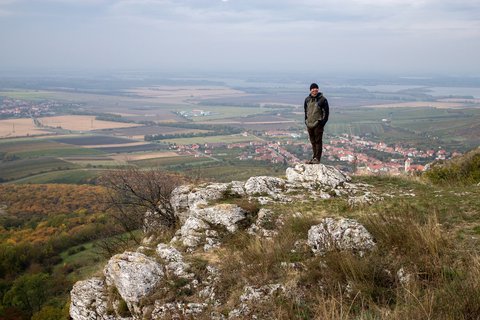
x=424 y=264
x=464 y=170
x=43 y=229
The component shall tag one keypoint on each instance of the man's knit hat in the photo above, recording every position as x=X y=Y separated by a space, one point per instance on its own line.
x=313 y=85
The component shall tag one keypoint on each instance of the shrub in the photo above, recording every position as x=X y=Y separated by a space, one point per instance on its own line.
x=460 y=171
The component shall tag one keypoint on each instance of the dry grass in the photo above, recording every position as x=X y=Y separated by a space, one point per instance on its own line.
x=420 y=269
x=82 y=123
x=20 y=128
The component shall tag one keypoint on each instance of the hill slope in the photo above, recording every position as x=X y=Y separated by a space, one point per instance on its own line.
x=311 y=246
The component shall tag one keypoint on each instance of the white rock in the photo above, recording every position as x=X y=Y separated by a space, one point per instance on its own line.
x=188 y=197
x=177 y=310
x=89 y=300
x=179 y=198
x=318 y=173
x=133 y=274
x=174 y=261
x=227 y=215
x=367 y=198
x=192 y=232
x=265 y=185
x=404 y=277
x=342 y=234
x=255 y=293
x=265 y=224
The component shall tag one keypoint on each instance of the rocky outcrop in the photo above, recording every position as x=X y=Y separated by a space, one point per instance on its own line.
x=342 y=234
x=307 y=175
x=207 y=213
x=90 y=300
x=264 y=185
x=174 y=261
x=134 y=275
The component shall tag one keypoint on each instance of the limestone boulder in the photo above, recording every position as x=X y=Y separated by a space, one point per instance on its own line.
x=134 y=275
x=174 y=261
x=89 y=300
x=306 y=174
x=189 y=197
x=342 y=234
x=264 y=185
x=227 y=215
x=192 y=233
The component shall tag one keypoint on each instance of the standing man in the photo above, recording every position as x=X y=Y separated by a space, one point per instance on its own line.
x=316 y=116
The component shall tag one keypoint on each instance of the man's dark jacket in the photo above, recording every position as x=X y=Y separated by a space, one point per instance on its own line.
x=316 y=110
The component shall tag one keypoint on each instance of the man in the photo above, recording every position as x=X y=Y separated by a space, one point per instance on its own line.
x=316 y=116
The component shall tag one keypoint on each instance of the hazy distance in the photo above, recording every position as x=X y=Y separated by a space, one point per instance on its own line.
x=334 y=36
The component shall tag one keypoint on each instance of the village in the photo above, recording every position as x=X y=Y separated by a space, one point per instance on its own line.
x=353 y=153
x=21 y=108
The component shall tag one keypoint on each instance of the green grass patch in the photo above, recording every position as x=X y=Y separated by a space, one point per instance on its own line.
x=17 y=169
x=168 y=161
x=225 y=112
x=212 y=139
x=74 y=176
x=463 y=170
x=59 y=152
x=27 y=94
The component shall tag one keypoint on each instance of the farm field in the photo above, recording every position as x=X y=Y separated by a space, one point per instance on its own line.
x=82 y=123
x=20 y=128
x=30 y=144
x=420 y=104
x=26 y=94
x=73 y=176
x=12 y=170
x=227 y=112
x=213 y=139
x=92 y=140
x=138 y=133
x=144 y=156
x=167 y=162
x=185 y=94
x=233 y=170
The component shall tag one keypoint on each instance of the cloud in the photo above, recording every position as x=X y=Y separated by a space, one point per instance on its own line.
x=243 y=33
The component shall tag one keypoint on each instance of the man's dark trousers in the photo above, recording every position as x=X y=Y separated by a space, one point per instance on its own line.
x=316 y=137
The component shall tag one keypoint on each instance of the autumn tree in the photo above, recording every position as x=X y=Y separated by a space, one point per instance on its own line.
x=28 y=292
x=140 y=199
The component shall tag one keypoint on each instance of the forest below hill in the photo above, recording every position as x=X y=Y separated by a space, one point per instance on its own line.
x=42 y=229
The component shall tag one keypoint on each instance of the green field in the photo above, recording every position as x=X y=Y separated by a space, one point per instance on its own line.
x=66 y=152
x=33 y=148
x=74 y=176
x=12 y=170
x=224 y=112
x=213 y=139
x=27 y=94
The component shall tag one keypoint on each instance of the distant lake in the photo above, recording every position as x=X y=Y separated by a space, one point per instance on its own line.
x=458 y=91
x=434 y=91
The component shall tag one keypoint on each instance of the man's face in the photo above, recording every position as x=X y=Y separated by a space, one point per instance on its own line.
x=314 y=92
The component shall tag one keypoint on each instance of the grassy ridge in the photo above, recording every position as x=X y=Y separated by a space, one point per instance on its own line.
x=426 y=265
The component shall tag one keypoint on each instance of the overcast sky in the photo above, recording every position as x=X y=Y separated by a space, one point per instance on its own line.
x=405 y=37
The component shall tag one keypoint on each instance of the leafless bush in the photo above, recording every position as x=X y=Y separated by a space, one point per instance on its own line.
x=140 y=199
